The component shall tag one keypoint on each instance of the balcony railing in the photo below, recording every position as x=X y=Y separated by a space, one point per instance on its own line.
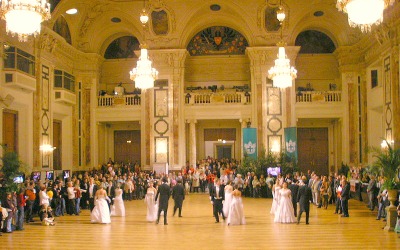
x=217 y=98
x=118 y=100
x=319 y=96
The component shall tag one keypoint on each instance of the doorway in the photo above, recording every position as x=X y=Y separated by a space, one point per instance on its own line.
x=224 y=151
x=313 y=150
x=127 y=146
x=10 y=130
x=57 y=143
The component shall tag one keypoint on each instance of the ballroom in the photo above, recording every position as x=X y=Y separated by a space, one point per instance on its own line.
x=167 y=83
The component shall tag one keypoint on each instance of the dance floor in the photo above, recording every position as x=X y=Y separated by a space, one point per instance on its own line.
x=197 y=230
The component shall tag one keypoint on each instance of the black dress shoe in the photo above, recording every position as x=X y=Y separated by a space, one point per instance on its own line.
x=157 y=222
x=307 y=223
x=217 y=221
x=165 y=223
x=180 y=216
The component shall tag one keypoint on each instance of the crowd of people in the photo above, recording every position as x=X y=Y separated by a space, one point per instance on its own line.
x=104 y=191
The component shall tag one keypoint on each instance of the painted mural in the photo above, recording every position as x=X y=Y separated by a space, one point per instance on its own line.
x=123 y=47
x=159 y=21
x=271 y=22
x=217 y=40
x=61 y=28
x=53 y=4
x=314 y=42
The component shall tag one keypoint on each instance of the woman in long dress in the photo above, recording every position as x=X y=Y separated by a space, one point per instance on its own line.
x=275 y=197
x=285 y=211
x=236 y=214
x=118 y=208
x=228 y=198
x=101 y=212
x=152 y=206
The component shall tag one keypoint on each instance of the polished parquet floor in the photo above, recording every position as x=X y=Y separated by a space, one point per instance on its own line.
x=197 y=230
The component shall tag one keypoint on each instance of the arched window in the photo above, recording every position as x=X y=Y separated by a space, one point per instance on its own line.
x=314 y=42
x=122 y=47
x=61 y=28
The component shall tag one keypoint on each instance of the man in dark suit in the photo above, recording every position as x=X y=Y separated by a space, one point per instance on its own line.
x=345 y=196
x=164 y=192
x=294 y=188
x=304 y=197
x=92 y=192
x=178 y=194
x=217 y=197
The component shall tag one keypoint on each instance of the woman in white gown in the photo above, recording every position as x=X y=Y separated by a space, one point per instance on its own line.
x=228 y=198
x=285 y=211
x=275 y=197
x=236 y=214
x=118 y=208
x=152 y=206
x=101 y=212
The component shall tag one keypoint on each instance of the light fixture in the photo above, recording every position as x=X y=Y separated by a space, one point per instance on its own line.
x=282 y=74
x=24 y=17
x=72 y=11
x=144 y=17
x=280 y=14
x=46 y=149
x=364 y=13
x=143 y=75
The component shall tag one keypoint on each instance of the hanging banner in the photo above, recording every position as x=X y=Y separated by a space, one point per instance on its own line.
x=291 y=142
x=250 y=142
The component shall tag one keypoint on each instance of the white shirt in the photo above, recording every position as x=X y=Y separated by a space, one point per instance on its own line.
x=91 y=191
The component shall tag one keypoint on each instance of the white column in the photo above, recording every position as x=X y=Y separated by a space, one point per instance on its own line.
x=192 y=142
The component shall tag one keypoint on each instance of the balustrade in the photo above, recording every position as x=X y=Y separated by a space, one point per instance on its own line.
x=319 y=96
x=121 y=100
x=217 y=98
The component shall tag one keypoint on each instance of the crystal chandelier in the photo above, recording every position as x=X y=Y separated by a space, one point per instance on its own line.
x=364 y=13
x=282 y=74
x=24 y=17
x=143 y=75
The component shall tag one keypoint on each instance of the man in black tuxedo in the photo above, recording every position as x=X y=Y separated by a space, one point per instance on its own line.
x=92 y=193
x=345 y=196
x=217 y=197
x=294 y=188
x=164 y=192
x=178 y=194
x=304 y=197
x=110 y=193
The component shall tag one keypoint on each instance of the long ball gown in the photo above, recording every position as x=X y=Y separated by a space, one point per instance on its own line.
x=152 y=206
x=236 y=214
x=118 y=208
x=275 y=200
x=101 y=212
x=285 y=211
x=227 y=202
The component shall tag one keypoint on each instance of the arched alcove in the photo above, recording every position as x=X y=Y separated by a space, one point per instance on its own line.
x=53 y=4
x=217 y=40
x=314 y=42
x=122 y=47
x=61 y=27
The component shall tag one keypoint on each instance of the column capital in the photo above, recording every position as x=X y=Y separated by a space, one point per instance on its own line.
x=194 y=121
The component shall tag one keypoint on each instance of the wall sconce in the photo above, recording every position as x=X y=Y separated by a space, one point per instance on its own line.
x=385 y=144
x=276 y=147
x=46 y=149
